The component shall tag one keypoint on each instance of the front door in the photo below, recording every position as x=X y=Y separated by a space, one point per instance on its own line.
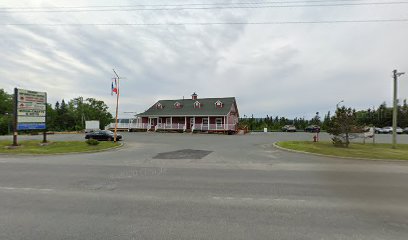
x=218 y=123
x=205 y=124
x=153 y=121
x=192 y=122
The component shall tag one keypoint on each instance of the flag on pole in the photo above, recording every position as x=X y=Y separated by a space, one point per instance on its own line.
x=114 y=88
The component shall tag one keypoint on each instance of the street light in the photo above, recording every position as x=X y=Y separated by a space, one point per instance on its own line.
x=394 y=113
x=337 y=105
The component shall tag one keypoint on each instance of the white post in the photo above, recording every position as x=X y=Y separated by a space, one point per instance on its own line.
x=208 y=124
x=227 y=121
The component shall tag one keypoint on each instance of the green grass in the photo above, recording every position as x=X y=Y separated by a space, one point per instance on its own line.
x=355 y=150
x=34 y=147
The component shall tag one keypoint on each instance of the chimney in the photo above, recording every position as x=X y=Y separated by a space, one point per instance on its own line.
x=194 y=96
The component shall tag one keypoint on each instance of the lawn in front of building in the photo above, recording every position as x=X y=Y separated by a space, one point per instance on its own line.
x=36 y=147
x=355 y=150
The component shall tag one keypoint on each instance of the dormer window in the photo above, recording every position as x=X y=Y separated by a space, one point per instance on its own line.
x=177 y=105
x=159 y=106
x=197 y=104
x=218 y=104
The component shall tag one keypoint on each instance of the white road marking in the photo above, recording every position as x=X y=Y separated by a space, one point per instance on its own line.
x=27 y=189
x=256 y=199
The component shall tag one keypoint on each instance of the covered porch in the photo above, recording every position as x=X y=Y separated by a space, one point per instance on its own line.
x=185 y=123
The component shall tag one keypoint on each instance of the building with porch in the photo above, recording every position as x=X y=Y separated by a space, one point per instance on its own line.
x=195 y=114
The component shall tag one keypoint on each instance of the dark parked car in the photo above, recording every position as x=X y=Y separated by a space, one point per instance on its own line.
x=103 y=135
x=312 y=128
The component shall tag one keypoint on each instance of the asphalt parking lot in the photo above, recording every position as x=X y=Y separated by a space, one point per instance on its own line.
x=198 y=186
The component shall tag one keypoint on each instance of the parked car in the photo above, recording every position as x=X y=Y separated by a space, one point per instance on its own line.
x=386 y=130
x=378 y=130
x=405 y=130
x=103 y=135
x=312 y=128
x=389 y=130
x=289 y=128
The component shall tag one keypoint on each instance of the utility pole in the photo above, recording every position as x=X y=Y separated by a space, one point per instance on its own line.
x=395 y=112
x=117 y=106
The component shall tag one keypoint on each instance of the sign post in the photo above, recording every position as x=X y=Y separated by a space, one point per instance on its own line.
x=30 y=112
x=15 y=118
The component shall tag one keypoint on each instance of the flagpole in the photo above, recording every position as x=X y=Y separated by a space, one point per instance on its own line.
x=117 y=106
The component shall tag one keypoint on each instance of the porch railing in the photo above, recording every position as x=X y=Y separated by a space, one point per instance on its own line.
x=120 y=125
x=129 y=126
x=174 y=126
x=210 y=127
x=140 y=126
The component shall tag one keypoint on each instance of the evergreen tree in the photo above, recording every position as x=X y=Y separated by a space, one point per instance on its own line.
x=341 y=125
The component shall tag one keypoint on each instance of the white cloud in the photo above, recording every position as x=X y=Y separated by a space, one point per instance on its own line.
x=289 y=69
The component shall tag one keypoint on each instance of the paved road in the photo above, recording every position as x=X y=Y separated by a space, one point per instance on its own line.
x=183 y=186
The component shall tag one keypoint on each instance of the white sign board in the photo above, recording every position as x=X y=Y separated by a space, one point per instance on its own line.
x=31 y=109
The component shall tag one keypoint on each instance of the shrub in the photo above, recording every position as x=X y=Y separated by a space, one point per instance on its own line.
x=92 y=142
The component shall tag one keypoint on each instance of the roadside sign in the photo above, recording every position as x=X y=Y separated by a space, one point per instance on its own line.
x=30 y=112
x=31 y=109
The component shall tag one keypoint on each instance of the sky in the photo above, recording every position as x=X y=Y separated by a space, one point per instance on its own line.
x=294 y=64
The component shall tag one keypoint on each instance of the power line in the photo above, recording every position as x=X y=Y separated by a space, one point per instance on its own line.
x=208 y=23
x=179 y=8
x=188 y=4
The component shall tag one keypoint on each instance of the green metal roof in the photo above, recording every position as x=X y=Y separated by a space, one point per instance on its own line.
x=207 y=108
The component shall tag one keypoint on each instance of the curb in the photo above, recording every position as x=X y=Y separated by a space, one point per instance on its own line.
x=340 y=157
x=69 y=153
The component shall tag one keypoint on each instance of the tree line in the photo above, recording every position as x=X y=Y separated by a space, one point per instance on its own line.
x=378 y=117
x=276 y=123
x=71 y=116
x=63 y=116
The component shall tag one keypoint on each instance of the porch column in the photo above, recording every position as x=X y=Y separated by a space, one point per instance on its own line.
x=227 y=121
x=171 y=122
x=224 y=122
x=185 y=122
x=208 y=124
